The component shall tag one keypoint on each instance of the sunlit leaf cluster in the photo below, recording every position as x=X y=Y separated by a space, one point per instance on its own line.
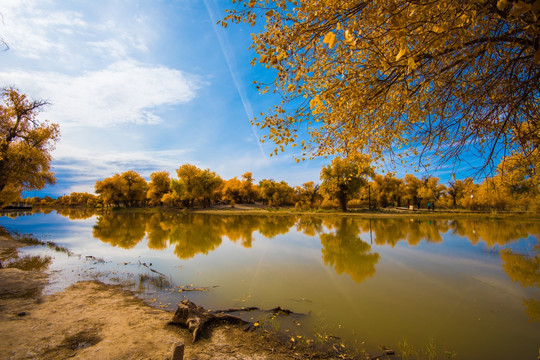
x=25 y=146
x=401 y=80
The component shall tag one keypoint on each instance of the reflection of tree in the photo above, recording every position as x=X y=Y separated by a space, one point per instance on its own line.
x=76 y=214
x=522 y=269
x=241 y=228
x=157 y=234
x=525 y=270
x=392 y=231
x=124 y=230
x=194 y=234
x=310 y=225
x=274 y=225
x=346 y=252
x=532 y=308
x=495 y=232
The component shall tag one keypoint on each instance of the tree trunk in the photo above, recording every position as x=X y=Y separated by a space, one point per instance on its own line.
x=342 y=198
x=196 y=318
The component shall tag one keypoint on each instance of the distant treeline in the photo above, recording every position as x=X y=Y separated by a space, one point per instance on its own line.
x=345 y=184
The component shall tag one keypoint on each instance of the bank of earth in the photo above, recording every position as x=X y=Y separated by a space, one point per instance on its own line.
x=92 y=320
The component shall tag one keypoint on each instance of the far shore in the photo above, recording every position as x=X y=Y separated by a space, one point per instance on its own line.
x=258 y=209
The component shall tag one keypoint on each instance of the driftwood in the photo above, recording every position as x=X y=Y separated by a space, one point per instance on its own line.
x=197 y=318
x=152 y=270
x=275 y=310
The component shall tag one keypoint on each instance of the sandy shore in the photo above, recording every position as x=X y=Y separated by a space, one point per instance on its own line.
x=91 y=320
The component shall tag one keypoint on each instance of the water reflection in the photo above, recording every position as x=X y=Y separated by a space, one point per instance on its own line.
x=525 y=270
x=495 y=232
x=201 y=233
x=342 y=247
x=76 y=213
x=458 y=278
x=121 y=229
x=346 y=252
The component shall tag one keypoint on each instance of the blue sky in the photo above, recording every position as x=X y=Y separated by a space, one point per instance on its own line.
x=142 y=85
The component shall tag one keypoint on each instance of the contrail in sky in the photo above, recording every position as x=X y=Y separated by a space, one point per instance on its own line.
x=227 y=52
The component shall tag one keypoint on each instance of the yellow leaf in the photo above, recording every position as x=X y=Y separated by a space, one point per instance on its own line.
x=519 y=8
x=536 y=57
x=330 y=39
x=411 y=64
x=401 y=52
x=501 y=4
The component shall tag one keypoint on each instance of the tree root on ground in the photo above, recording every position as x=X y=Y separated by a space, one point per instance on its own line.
x=196 y=318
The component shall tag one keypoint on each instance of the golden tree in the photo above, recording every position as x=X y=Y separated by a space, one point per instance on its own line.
x=25 y=146
x=428 y=79
x=160 y=184
x=343 y=178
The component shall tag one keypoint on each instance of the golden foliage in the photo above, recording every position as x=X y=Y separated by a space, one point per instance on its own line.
x=342 y=179
x=25 y=146
x=431 y=79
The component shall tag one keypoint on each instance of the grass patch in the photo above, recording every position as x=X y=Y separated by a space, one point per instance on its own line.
x=28 y=262
x=155 y=281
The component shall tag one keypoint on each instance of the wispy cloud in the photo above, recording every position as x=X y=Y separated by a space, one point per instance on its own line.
x=229 y=58
x=32 y=28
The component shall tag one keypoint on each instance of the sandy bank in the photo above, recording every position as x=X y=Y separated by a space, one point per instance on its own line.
x=91 y=320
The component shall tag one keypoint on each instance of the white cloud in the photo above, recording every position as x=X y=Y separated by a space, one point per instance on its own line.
x=31 y=30
x=124 y=92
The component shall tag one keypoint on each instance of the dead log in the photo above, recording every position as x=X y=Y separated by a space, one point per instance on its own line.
x=197 y=318
x=274 y=311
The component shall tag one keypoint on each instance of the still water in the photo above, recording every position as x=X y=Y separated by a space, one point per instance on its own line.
x=461 y=287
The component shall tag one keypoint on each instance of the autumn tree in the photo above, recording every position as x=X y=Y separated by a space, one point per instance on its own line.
x=275 y=193
x=135 y=187
x=25 y=146
x=518 y=175
x=188 y=176
x=208 y=187
x=308 y=194
x=160 y=184
x=128 y=188
x=249 y=189
x=388 y=189
x=78 y=199
x=232 y=190
x=457 y=189
x=344 y=177
x=110 y=190
x=194 y=184
x=431 y=190
x=412 y=188
x=436 y=80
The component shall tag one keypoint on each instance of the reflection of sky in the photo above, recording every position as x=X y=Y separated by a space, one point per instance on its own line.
x=450 y=291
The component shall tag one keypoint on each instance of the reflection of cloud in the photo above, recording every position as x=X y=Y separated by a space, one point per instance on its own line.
x=124 y=92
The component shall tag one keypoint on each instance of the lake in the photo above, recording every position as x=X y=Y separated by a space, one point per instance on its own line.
x=465 y=287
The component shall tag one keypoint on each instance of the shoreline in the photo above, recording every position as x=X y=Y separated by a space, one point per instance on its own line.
x=93 y=320
x=254 y=209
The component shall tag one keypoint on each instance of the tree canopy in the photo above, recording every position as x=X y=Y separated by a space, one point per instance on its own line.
x=25 y=146
x=416 y=81
x=343 y=178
